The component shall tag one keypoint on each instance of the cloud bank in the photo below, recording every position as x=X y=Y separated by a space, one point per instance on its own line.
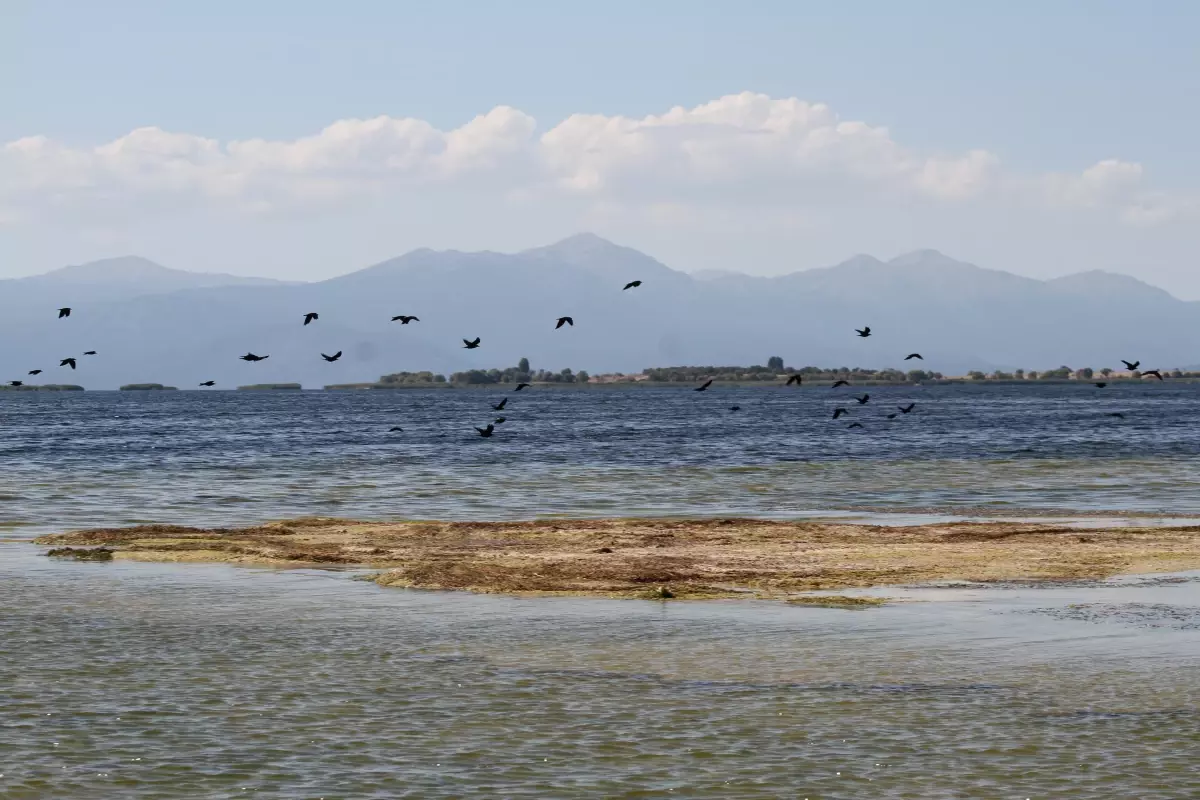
x=746 y=151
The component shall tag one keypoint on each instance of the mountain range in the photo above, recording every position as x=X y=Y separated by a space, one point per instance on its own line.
x=154 y=324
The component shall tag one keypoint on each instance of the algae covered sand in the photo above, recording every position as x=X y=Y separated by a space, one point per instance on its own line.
x=661 y=557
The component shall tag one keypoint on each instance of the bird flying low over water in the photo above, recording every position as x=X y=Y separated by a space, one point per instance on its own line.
x=15 y=383
x=1153 y=372
x=471 y=345
x=404 y=319
x=704 y=386
x=500 y=420
x=836 y=384
x=521 y=386
x=333 y=357
x=1117 y=414
x=486 y=432
x=310 y=316
x=64 y=312
x=862 y=401
x=209 y=383
x=793 y=379
x=252 y=357
x=855 y=425
x=907 y=408
x=564 y=321
x=397 y=428
x=500 y=406
x=911 y=356
x=90 y=353
x=632 y=285
x=837 y=412
x=1101 y=385
x=67 y=362
x=891 y=416
x=1131 y=365
x=735 y=408
x=863 y=332
x=35 y=372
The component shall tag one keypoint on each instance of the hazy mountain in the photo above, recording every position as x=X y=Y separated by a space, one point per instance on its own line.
x=958 y=315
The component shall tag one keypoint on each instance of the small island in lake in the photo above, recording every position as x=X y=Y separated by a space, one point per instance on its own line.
x=147 y=387
x=46 y=387
x=266 y=387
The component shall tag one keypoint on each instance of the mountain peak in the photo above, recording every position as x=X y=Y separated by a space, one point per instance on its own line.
x=926 y=257
x=121 y=268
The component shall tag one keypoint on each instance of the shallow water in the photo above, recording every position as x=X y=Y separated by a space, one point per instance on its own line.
x=165 y=681
x=70 y=460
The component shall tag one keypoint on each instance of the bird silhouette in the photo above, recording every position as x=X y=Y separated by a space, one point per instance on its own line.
x=471 y=345
x=15 y=383
x=67 y=362
x=333 y=357
x=793 y=379
x=486 y=432
x=1101 y=385
x=64 y=312
x=500 y=406
x=397 y=428
x=209 y=383
x=1117 y=414
x=704 y=386
x=735 y=408
x=310 y=316
x=564 y=321
x=35 y=372
x=1130 y=365
x=837 y=412
x=632 y=285
x=521 y=386
x=1153 y=372
x=252 y=357
x=862 y=401
x=863 y=332
x=90 y=353
x=911 y=356
x=891 y=416
x=907 y=408
x=404 y=319
x=836 y=384
x=500 y=420
x=855 y=425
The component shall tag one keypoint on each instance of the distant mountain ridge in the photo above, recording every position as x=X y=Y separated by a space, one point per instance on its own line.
x=153 y=324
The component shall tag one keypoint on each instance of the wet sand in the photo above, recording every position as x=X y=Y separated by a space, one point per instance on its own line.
x=658 y=558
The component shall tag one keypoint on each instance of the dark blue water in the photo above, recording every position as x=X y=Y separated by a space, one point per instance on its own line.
x=229 y=457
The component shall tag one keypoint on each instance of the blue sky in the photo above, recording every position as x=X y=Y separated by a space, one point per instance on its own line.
x=1047 y=87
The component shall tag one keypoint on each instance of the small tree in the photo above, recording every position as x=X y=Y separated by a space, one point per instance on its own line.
x=582 y=376
x=1019 y=374
x=1106 y=371
x=775 y=363
x=976 y=375
x=523 y=365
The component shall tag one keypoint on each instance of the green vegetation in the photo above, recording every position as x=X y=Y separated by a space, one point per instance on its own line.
x=47 y=387
x=147 y=387
x=82 y=553
x=770 y=374
x=257 y=387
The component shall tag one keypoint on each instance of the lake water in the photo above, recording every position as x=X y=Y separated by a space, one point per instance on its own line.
x=181 y=681
x=233 y=457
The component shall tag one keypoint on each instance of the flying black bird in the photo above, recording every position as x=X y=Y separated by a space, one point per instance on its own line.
x=1153 y=372
x=404 y=320
x=310 y=316
x=90 y=353
x=333 y=357
x=521 y=386
x=252 y=357
x=854 y=425
x=836 y=384
x=632 y=285
x=471 y=345
x=564 y=321
x=500 y=420
x=1131 y=366
x=397 y=428
x=209 y=383
x=1117 y=414
x=862 y=401
x=907 y=408
x=64 y=312
x=735 y=408
x=891 y=416
x=911 y=356
x=67 y=362
x=500 y=406
x=15 y=383
x=1101 y=385
x=793 y=379
x=704 y=385
x=864 y=332
x=35 y=372
x=486 y=432
x=837 y=412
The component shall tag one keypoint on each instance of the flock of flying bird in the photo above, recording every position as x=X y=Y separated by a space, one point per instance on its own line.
x=472 y=344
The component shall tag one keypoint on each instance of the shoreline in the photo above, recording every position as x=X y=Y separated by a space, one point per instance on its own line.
x=663 y=558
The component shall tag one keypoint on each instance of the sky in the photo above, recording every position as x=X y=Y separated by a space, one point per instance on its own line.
x=303 y=140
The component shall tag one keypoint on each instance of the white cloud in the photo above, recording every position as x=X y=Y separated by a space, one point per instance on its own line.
x=736 y=153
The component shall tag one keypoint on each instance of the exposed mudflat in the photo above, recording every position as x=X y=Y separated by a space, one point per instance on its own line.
x=688 y=558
